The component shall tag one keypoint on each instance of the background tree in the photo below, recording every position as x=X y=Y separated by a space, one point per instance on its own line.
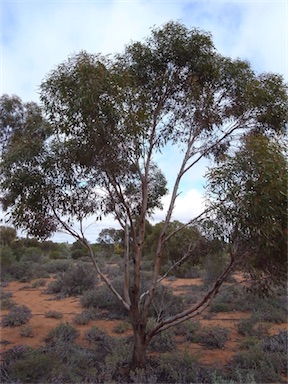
x=108 y=118
x=248 y=195
x=7 y=235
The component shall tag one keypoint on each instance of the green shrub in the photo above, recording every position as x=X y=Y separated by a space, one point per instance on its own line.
x=181 y=368
x=276 y=343
x=26 y=331
x=122 y=327
x=63 y=333
x=18 y=315
x=32 y=255
x=22 y=270
x=101 y=341
x=266 y=367
x=33 y=367
x=82 y=318
x=38 y=283
x=7 y=304
x=102 y=298
x=7 y=259
x=53 y=314
x=212 y=337
x=252 y=327
x=188 y=329
x=73 y=282
x=163 y=342
x=55 y=266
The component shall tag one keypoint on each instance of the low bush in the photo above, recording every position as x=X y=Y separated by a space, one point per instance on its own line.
x=102 y=298
x=163 y=342
x=276 y=343
x=26 y=331
x=122 y=327
x=18 y=315
x=212 y=337
x=82 y=318
x=38 y=283
x=266 y=367
x=181 y=368
x=32 y=367
x=7 y=304
x=73 y=282
x=55 y=266
x=188 y=329
x=252 y=327
x=63 y=333
x=53 y=314
x=100 y=341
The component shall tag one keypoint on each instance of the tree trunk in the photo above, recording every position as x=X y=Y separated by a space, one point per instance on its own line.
x=139 y=351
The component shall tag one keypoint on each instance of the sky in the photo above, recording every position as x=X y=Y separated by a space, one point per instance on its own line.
x=36 y=36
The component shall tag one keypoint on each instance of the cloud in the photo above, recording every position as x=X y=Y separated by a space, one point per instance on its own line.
x=188 y=205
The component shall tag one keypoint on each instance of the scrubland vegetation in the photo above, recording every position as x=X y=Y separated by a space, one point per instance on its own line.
x=99 y=357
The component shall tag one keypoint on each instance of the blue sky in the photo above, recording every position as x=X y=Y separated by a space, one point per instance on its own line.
x=37 y=35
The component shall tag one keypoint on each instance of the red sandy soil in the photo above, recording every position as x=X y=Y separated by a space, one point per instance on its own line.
x=39 y=303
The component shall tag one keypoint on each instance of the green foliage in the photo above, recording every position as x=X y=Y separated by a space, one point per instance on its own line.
x=33 y=367
x=7 y=235
x=252 y=327
x=276 y=343
x=26 y=331
x=53 y=314
x=163 y=342
x=7 y=258
x=122 y=327
x=62 y=333
x=212 y=337
x=182 y=368
x=74 y=281
x=247 y=192
x=7 y=303
x=38 y=283
x=102 y=298
x=18 y=315
x=266 y=367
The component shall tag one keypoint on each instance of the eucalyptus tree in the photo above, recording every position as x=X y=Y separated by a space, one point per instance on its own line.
x=247 y=197
x=108 y=119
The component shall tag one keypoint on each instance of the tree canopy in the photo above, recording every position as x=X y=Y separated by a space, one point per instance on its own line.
x=107 y=119
x=248 y=196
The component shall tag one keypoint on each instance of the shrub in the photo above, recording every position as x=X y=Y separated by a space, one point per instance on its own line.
x=53 y=314
x=22 y=270
x=33 y=367
x=188 y=329
x=165 y=304
x=122 y=327
x=101 y=341
x=103 y=299
x=32 y=255
x=163 y=342
x=26 y=331
x=266 y=367
x=63 y=333
x=82 y=318
x=252 y=327
x=7 y=258
x=181 y=368
x=18 y=315
x=55 y=266
x=212 y=337
x=276 y=343
x=38 y=283
x=7 y=304
x=73 y=282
